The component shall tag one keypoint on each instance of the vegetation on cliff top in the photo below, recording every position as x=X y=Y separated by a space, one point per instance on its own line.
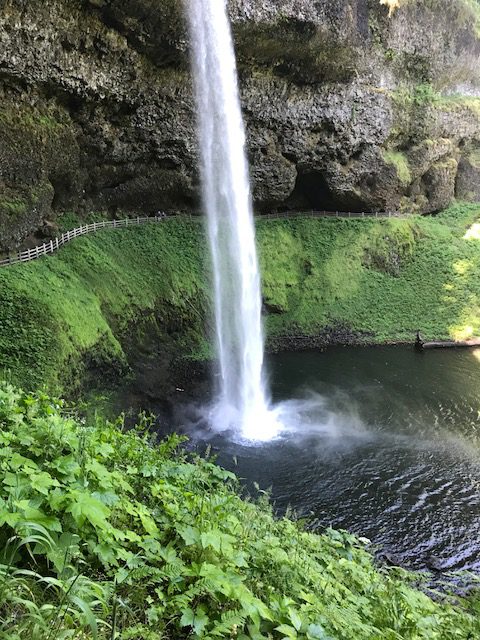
x=103 y=535
x=379 y=279
x=392 y=5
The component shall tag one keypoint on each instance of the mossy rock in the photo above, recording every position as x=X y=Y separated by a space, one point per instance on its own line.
x=400 y=162
x=39 y=162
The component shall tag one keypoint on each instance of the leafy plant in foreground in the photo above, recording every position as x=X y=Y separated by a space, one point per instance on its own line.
x=109 y=534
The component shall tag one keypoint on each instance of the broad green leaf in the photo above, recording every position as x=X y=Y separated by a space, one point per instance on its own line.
x=200 y=620
x=106 y=553
x=211 y=539
x=105 y=450
x=295 y=619
x=190 y=535
x=84 y=507
x=239 y=559
x=37 y=516
x=147 y=521
x=10 y=518
x=67 y=466
x=188 y=617
x=100 y=471
x=287 y=631
x=18 y=461
x=43 y=482
x=316 y=632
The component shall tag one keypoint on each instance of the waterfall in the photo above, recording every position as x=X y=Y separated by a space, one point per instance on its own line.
x=242 y=399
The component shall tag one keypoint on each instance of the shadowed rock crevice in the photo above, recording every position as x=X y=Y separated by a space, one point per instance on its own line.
x=312 y=191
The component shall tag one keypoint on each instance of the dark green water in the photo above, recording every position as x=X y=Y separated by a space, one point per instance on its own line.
x=389 y=449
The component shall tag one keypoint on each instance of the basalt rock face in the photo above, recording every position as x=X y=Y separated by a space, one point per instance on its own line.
x=346 y=107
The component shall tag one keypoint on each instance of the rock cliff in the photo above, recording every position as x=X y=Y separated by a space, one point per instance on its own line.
x=346 y=106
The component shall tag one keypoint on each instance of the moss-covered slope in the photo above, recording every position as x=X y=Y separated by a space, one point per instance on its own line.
x=83 y=307
x=377 y=281
x=382 y=279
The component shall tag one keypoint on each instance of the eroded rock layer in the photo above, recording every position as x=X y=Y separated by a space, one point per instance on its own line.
x=347 y=107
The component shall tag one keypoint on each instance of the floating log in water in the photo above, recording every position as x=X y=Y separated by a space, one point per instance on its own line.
x=474 y=342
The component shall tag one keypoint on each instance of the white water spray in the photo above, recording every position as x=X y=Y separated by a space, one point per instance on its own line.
x=242 y=402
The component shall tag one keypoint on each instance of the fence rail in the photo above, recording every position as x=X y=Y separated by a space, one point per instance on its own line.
x=68 y=236
x=331 y=214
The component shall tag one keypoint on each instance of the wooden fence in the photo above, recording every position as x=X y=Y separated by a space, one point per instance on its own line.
x=56 y=243
x=331 y=214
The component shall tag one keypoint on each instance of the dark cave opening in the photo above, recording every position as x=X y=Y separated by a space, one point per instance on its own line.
x=312 y=192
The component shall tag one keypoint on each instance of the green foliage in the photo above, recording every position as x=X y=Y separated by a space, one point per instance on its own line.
x=30 y=118
x=410 y=98
x=425 y=94
x=83 y=301
x=106 y=534
x=383 y=279
x=71 y=220
x=13 y=207
x=391 y=247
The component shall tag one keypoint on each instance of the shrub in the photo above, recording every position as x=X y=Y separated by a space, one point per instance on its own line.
x=108 y=534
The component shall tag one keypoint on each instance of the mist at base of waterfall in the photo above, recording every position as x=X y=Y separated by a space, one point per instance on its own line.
x=309 y=415
x=383 y=442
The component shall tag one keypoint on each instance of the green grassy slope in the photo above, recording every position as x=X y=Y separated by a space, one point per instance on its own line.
x=104 y=536
x=382 y=279
x=86 y=297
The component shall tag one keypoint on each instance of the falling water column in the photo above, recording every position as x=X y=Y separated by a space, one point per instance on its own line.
x=242 y=401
